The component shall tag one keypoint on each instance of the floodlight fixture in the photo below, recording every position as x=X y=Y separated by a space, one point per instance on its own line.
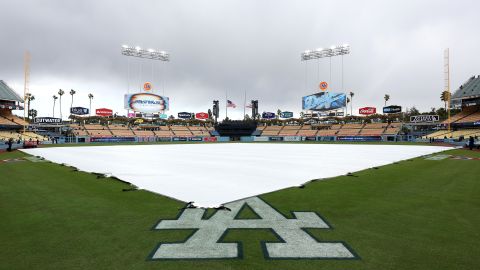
x=322 y=53
x=142 y=53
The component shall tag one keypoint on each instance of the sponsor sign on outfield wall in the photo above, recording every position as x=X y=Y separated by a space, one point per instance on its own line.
x=146 y=103
x=359 y=138
x=367 y=110
x=163 y=116
x=104 y=112
x=392 y=109
x=292 y=138
x=268 y=115
x=201 y=115
x=324 y=101
x=184 y=115
x=112 y=139
x=286 y=114
x=79 y=110
x=424 y=118
x=47 y=120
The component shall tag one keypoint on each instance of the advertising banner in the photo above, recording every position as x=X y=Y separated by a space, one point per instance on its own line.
x=392 y=109
x=209 y=139
x=367 y=110
x=339 y=114
x=276 y=138
x=424 y=118
x=163 y=116
x=146 y=103
x=268 y=115
x=310 y=115
x=131 y=115
x=310 y=138
x=179 y=139
x=184 y=115
x=292 y=138
x=103 y=112
x=260 y=139
x=286 y=114
x=324 y=101
x=112 y=139
x=79 y=110
x=359 y=138
x=201 y=115
x=47 y=120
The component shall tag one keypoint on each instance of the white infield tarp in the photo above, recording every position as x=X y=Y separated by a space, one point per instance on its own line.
x=213 y=174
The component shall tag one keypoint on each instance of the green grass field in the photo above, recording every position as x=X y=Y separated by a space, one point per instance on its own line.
x=415 y=214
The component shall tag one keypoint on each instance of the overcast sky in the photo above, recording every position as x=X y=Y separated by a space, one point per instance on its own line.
x=237 y=46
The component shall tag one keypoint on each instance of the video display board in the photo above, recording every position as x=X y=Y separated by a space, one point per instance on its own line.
x=146 y=103
x=324 y=101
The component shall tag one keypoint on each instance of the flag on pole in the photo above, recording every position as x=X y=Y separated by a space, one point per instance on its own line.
x=249 y=106
x=230 y=104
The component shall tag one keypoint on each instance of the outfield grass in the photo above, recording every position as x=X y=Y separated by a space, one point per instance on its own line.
x=416 y=214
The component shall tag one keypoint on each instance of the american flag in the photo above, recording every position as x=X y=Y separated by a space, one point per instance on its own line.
x=231 y=104
x=249 y=106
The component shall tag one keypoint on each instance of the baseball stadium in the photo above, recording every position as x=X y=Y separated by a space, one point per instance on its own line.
x=151 y=176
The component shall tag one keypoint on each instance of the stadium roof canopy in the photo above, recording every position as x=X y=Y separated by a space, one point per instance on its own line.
x=470 y=89
x=7 y=93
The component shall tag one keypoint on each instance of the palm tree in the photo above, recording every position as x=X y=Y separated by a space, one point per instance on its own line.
x=72 y=92
x=54 y=99
x=29 y=97
x=351 y=102
x=90 y=97
x=278 y=113
x=60 y=94
x=445 y=97
x=387 y=98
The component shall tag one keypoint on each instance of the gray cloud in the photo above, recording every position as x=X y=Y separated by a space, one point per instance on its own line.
x=237 y=46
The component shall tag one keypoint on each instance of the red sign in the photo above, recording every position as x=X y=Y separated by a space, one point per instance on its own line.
x=103 y=112
x=209 y=139
x=201 y=115
x=367 y=110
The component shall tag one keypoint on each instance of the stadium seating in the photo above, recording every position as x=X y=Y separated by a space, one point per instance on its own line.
x=78 y=130
x=272 y=130
x=121 y=130
x=24 y=136
x=97 y=130
x=143 y=132
x=289 y=130
x=465 y=133
x=374 y=129
x=459 y=117
x=6 y=121
x=327 y=132
x=181 y=131
x=348 y=131
x=474 y=117
x=199 y=131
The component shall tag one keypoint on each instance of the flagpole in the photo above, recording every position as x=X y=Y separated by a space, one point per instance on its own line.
x=244 y=103
x=226 y=104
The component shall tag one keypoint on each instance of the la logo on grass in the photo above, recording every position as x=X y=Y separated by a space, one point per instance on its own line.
x=206 y=241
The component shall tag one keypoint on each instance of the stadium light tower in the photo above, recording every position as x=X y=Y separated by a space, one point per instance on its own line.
x=319 y=53
x=147 y=54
